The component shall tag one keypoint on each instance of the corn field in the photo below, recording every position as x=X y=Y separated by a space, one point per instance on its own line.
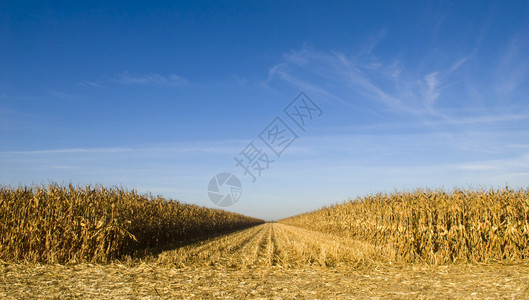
x=433 y=226
x=57 y=224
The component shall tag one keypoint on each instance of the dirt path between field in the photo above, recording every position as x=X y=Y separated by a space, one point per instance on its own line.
x=267 y=261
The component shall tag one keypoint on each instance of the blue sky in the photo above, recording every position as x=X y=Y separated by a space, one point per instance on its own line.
x=160 y=97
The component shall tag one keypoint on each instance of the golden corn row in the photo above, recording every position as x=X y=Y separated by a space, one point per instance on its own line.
x=433 y=226
x=58 y=224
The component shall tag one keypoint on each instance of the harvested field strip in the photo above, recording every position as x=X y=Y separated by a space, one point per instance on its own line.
x=272 y=244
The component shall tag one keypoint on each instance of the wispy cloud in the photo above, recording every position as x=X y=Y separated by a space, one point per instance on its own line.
x=338 y=76
x=513 y=68
x=63 y=95
x=459 y=63
x=282 y=71
x=127 y=78
x=505 y=166
x=90 y=83
x=70 y=150
x=221 y=147
x=432 y=91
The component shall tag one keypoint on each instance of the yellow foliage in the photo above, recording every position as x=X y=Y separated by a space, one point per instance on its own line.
x=62 y=224
x=433 y=226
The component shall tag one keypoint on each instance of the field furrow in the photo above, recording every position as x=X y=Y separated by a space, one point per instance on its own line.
x=211 y=251
x=271 y=244
x=258 y=253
